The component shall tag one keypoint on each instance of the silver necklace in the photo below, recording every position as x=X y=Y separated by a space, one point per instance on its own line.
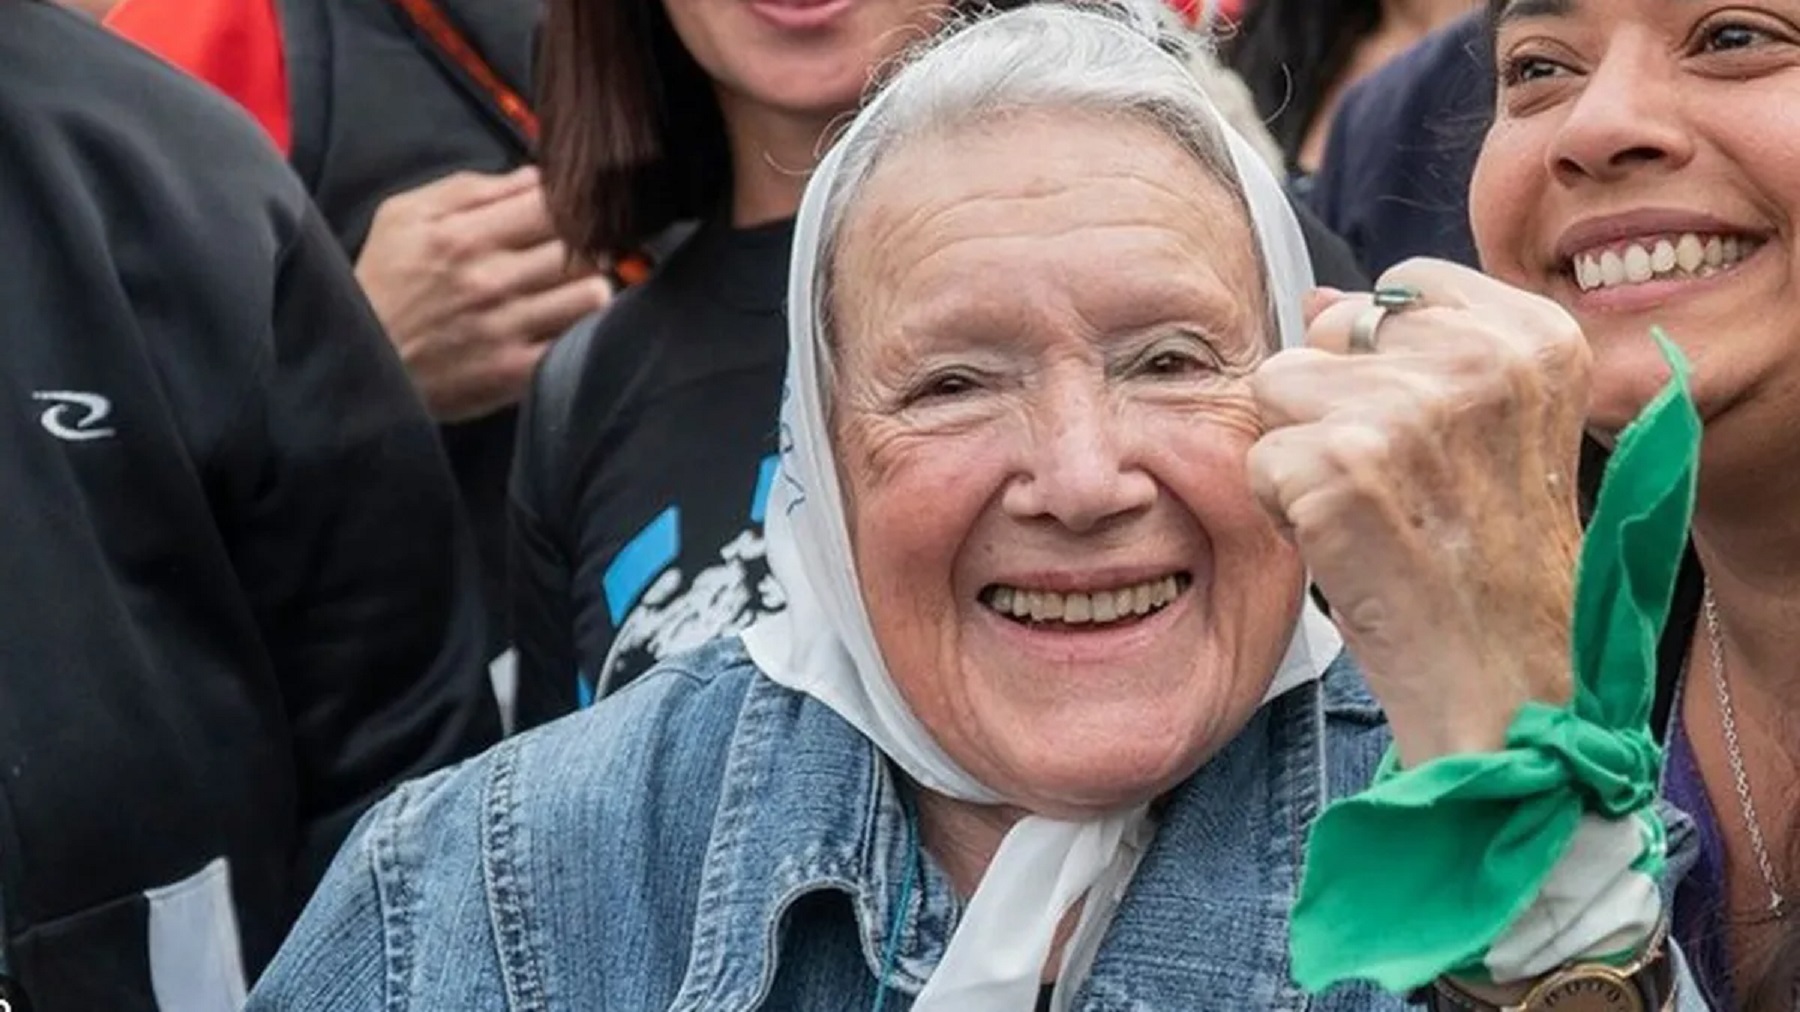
x=1734 y=753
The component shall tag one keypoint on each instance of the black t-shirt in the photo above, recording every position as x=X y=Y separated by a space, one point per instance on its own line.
x=644 y=462
x=638 y=533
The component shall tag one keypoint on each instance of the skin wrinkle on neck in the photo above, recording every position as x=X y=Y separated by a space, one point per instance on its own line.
x=963 y=839
x=772 y=156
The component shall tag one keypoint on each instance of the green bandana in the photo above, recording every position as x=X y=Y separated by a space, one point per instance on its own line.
x=1418 y=876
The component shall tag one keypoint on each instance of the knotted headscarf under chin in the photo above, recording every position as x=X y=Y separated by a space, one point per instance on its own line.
x=823 y=644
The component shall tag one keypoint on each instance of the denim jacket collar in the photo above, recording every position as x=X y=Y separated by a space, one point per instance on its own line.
x=1228 y=845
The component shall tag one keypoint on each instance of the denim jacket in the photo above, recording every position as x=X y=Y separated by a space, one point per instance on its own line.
x=709 y=840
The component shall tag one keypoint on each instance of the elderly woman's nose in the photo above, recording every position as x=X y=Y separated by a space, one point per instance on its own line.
x=1081 y=470
x=1626 y=118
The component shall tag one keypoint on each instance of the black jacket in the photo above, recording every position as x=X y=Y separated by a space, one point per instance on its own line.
x=238 y=599
x=378 y=110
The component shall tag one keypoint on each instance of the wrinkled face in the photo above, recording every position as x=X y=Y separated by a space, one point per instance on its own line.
x=1044 y=328
x=801 y=58
x=1644 y=168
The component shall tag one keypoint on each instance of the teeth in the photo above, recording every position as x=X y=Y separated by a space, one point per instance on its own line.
x=1587 y=272
x=1662 y=258
x=1080 y=609
x=1612 y=269
x=1690 y=253
x=1106 y=606
x=1634 y=263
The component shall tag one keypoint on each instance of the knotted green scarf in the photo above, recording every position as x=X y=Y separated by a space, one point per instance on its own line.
x=1417 y=876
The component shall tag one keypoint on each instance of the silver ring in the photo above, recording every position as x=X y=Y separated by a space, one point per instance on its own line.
x=1386 y=299
x=1363 y=340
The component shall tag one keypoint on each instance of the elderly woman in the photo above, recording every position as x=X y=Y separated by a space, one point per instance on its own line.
x=1050 y=711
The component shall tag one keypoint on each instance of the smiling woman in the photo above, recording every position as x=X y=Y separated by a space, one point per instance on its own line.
x=1049 y=710
x=1078 y=434
x=1640 y=171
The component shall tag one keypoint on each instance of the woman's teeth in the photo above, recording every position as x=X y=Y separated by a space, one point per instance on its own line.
x=1098 y=606
x=1685 y=255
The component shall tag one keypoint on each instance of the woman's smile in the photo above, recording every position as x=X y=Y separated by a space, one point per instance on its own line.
x=1103 y=628
x=1641 y=260
x=1093 y=602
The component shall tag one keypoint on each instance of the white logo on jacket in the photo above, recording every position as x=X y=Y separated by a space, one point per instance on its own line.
x=60 y=418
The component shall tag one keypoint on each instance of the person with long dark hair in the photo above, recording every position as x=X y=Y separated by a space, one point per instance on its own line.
x=1298 y=56
x=644 y=456
x=1639 y=171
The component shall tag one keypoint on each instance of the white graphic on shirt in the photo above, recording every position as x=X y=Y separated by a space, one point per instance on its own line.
x=676 y=614
x=59 y=421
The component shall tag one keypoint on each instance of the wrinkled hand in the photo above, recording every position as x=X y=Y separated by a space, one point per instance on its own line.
x=1430 y=487
x=472 y=287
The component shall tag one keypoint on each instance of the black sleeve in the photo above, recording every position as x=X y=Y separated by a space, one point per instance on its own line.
x=540 y=564
x=1333 y=264
x=354 y=554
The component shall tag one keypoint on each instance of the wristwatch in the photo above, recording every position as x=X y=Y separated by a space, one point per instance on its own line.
x=1647 y=984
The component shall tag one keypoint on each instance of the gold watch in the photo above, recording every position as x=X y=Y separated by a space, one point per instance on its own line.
x=1647 y=984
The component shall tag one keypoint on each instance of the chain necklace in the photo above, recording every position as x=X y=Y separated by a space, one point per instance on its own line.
x=1733 y=752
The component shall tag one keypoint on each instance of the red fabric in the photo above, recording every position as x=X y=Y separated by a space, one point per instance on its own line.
x=1228 y=10
x=234 y=45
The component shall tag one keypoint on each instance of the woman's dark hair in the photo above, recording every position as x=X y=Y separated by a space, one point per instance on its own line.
x=633 y=140
x=632 y=136
x=1290 y=52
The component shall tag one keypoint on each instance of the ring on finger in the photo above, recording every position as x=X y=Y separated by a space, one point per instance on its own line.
x=1388 y=299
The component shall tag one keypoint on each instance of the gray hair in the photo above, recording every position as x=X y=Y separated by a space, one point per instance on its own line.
x=1110 y=58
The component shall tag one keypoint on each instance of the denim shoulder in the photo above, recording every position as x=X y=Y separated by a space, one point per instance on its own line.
x=483 y=878
x=1356 y=731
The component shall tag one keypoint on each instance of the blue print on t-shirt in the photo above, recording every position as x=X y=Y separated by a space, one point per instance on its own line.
x=644 y=556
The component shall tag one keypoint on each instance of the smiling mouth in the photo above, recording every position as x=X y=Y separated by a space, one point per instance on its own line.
x=1098 y=608
x=1684 y=256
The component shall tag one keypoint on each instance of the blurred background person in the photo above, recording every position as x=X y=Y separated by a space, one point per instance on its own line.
x=1298 y=57
x=411 y=124
x=1395 y=179
x=649 y=443
x=242 y=600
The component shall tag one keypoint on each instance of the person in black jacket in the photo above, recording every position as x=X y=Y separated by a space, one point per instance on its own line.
x=416 y=147
x=240 y=598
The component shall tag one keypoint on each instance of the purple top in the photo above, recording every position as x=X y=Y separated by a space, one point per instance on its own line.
x=1698 y=921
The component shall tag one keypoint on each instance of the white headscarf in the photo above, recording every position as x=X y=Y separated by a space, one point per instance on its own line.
x=823 y=645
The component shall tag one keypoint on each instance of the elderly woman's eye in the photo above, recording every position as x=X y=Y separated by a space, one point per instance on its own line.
x=1170 y=363
x=1730 y=36
x=1170 y=359
x=944 y=385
